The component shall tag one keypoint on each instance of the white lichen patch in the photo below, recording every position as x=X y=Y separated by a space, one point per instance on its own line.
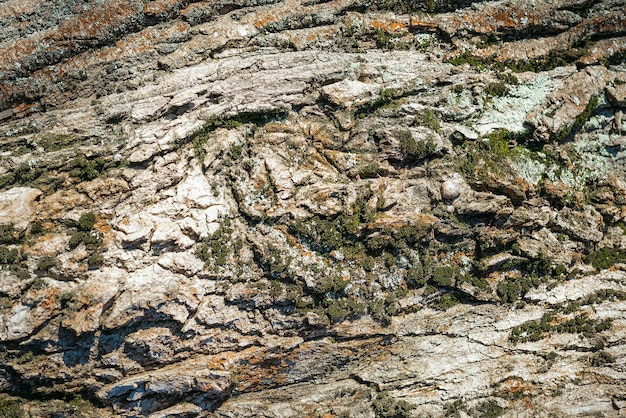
x=594 y=151
x=510 y=111
x=556 y=173
x=531 y=170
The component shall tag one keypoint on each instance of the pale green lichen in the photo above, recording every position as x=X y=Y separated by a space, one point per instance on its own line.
x=510 y=111
x=559 y=174
x=531 y=170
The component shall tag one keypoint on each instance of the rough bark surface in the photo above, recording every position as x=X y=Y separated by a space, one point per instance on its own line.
x=273 y=208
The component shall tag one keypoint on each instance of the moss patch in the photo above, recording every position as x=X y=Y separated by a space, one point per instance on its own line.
x=580 y=120
x=11 y=407
x=55 y=142
x=539 y=329
x=215 y=249
x=429 y=118
x=8 y=234
x=606 y=257
x=387 y=407
x=256 y=119
x=386 y=99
